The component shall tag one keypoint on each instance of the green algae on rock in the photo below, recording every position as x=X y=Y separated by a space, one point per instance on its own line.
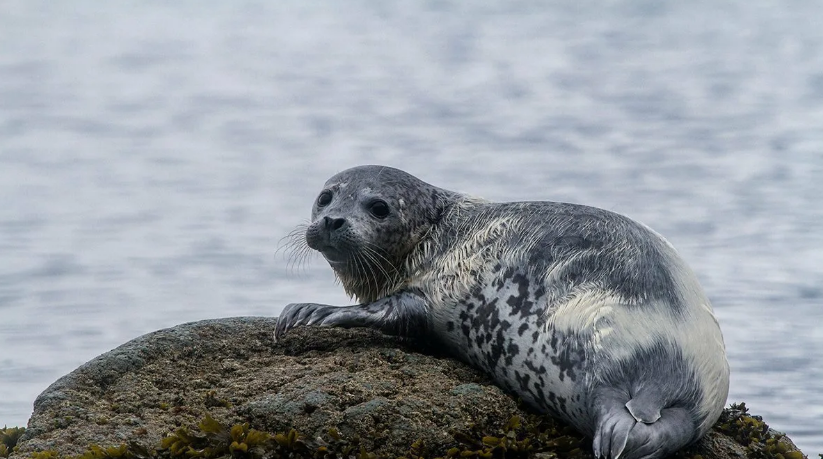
x=222 y=388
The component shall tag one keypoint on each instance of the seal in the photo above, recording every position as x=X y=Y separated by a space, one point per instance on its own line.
x=585 y=314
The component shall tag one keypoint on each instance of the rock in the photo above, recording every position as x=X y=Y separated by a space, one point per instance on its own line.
x=339 y=388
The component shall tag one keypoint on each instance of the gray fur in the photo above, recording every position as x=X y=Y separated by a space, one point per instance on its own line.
x=585 y=314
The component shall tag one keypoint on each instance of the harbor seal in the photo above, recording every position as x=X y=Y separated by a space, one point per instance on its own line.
x=585 y=314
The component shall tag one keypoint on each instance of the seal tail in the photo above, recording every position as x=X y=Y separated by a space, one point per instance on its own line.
x=641 y=430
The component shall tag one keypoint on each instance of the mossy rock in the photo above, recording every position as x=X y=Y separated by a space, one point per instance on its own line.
x=223 y=388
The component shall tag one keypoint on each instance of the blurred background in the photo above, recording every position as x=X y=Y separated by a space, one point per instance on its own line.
x=153 y=154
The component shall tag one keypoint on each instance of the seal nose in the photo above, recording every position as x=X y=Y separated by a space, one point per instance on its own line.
x=334 y=224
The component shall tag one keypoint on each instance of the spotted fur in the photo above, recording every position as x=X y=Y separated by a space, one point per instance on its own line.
x=585 y=314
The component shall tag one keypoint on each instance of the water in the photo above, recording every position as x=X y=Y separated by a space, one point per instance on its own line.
x=152 y=155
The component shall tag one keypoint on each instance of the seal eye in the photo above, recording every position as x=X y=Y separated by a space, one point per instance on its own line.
x=379 y=209
x=324 y=199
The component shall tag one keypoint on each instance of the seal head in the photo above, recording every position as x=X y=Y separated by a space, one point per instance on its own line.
x=365 y=222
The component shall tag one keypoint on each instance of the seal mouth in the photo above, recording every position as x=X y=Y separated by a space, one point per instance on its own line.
x=333 y=255
x=323 y=244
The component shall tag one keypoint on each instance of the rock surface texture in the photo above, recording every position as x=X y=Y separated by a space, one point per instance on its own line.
x=317 y=393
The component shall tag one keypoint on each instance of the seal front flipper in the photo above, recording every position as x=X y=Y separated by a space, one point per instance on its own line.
x=399 y=314
x=297 y=314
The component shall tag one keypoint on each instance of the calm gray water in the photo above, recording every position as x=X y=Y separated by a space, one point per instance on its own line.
x=152 y=155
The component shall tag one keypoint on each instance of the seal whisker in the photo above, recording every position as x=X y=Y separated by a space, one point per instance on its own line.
x=295 y=247
x=374 y=253
x=389 y=280
x=371 y=261
x=365 y=277
x=383 y=287
x=366 y=274
x=354 y=266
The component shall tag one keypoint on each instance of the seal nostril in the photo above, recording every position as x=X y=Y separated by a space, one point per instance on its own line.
x=334 y=224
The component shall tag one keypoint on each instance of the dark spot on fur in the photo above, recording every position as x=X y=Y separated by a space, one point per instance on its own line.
x=562 y=404
x=477 y=293
x=496 y=350
x=511 y=351
x=508 y=273
x=569 y=357
x=522 y=329
x=539 y=391
x=466 y=330
x=522 y=380
x=539 y=371
x=487 y=316
x=520 y=304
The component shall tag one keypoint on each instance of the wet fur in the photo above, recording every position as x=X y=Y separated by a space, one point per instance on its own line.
x=584 y=313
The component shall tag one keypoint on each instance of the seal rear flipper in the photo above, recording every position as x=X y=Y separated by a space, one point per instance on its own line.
x=619 y=435
x=612 y=434
x=644 y=410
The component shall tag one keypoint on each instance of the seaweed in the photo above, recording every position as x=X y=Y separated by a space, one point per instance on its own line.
x=47 y=454
x=521 y=437
x=750 y=431
x=9 y=436
x=518 y=438
x=212 y=439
